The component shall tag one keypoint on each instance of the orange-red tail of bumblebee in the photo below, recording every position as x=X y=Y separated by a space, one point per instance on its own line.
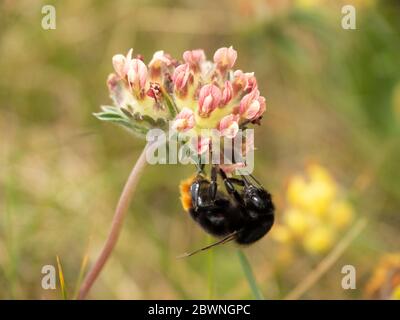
x=186 y=197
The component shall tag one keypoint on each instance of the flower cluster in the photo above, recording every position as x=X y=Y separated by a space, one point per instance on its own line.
x=198 y=96
x=385 y=281
x=316 y=213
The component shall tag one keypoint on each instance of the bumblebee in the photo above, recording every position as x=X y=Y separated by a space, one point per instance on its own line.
x=244 y=214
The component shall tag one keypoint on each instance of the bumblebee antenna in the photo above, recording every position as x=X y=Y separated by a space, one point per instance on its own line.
x=228 y=238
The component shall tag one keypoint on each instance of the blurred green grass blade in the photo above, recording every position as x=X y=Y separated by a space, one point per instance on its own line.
x=250 y=276
x=211 y=270
x=82 y=270
x=62 y=280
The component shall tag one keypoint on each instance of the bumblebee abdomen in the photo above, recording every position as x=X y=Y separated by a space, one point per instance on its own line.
x=213 y=220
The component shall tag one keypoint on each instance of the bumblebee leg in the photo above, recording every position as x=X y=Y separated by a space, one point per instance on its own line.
x=237 y=181
x=230 y=188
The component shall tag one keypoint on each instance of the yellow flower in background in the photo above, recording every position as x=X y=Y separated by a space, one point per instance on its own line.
x=307 y=4
x=396 y=293
x=319 y=240
x=341 y=214
x=296 y=221
x=324 y=4
x=385 y=280
x=313 y=193
x=316 y=211
x=282 y=234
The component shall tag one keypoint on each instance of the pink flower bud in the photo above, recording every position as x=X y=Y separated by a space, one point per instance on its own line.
x=181 y=76
x=209 y=99
x=112 y=82
x=229 y=168
x=121 y=63
x=227 y=93
x=184 y=120
x=252 y=105
x=251 y=82
x=225 y=58
x=263 y=107
x=194 y=58
x=239 y=81
x=201 y=144
x=157 y=63
x=229 y=126
x=137 y=74
x=244 y=81
x=248 y=144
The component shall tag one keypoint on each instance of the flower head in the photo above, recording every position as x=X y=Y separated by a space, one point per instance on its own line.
x=385 y=280
x=199 y=97
x=316 y=212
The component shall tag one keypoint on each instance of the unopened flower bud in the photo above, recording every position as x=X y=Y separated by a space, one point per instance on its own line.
x=229 y=126
x=184 y=120
x=194 y=58
x=209 y=99
x=121 y=63
x=181 y=76
x=252 y=105
x=201 y=144
x=225 y=58
x=244 y=81
x=227 y=93
x=137 y=74
x=230 y=168
x=159 y=61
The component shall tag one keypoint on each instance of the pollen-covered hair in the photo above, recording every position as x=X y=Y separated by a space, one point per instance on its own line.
x=186 y=197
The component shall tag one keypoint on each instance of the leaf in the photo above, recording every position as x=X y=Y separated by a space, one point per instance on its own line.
x=121 y=119
x=109 y=109
x=108 y=116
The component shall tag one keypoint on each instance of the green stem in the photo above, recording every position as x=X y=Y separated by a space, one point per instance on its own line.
x=250 y=276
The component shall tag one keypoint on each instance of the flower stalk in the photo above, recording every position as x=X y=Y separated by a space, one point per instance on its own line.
x=116 y=226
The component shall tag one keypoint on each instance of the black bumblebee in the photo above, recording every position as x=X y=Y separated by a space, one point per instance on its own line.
x=243 y=215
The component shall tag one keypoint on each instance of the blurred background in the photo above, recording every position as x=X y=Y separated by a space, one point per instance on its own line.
x=328 y=149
